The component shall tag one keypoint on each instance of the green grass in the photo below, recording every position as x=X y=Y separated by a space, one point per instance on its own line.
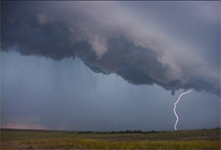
x=193 y=139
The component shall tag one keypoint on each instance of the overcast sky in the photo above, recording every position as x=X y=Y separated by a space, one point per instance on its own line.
x=110 y=65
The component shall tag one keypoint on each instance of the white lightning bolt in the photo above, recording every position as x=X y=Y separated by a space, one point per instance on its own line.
x=174 y=109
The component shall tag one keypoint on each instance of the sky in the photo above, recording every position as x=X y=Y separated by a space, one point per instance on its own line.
x=110 y=66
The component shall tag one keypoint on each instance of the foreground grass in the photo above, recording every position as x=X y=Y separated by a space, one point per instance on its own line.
x=195 y=139
x=99 y=144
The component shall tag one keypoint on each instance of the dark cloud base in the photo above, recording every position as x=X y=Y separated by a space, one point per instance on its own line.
x=22 y=32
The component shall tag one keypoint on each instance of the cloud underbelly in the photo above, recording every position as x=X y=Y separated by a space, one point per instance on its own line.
x=105 y=47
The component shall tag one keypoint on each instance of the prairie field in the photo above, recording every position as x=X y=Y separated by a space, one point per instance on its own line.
x=41 y=139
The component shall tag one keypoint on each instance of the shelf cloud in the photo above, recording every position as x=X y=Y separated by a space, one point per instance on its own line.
x=109 y=38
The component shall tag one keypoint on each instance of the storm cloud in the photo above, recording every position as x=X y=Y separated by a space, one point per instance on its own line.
x=108 y=39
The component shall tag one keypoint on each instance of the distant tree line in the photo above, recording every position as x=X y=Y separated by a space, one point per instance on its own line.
x=115 y=132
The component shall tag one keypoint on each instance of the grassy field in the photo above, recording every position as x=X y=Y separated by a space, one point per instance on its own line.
x=35 y=139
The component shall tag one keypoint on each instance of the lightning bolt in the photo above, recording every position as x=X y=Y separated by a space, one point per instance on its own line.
x=174 y=109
